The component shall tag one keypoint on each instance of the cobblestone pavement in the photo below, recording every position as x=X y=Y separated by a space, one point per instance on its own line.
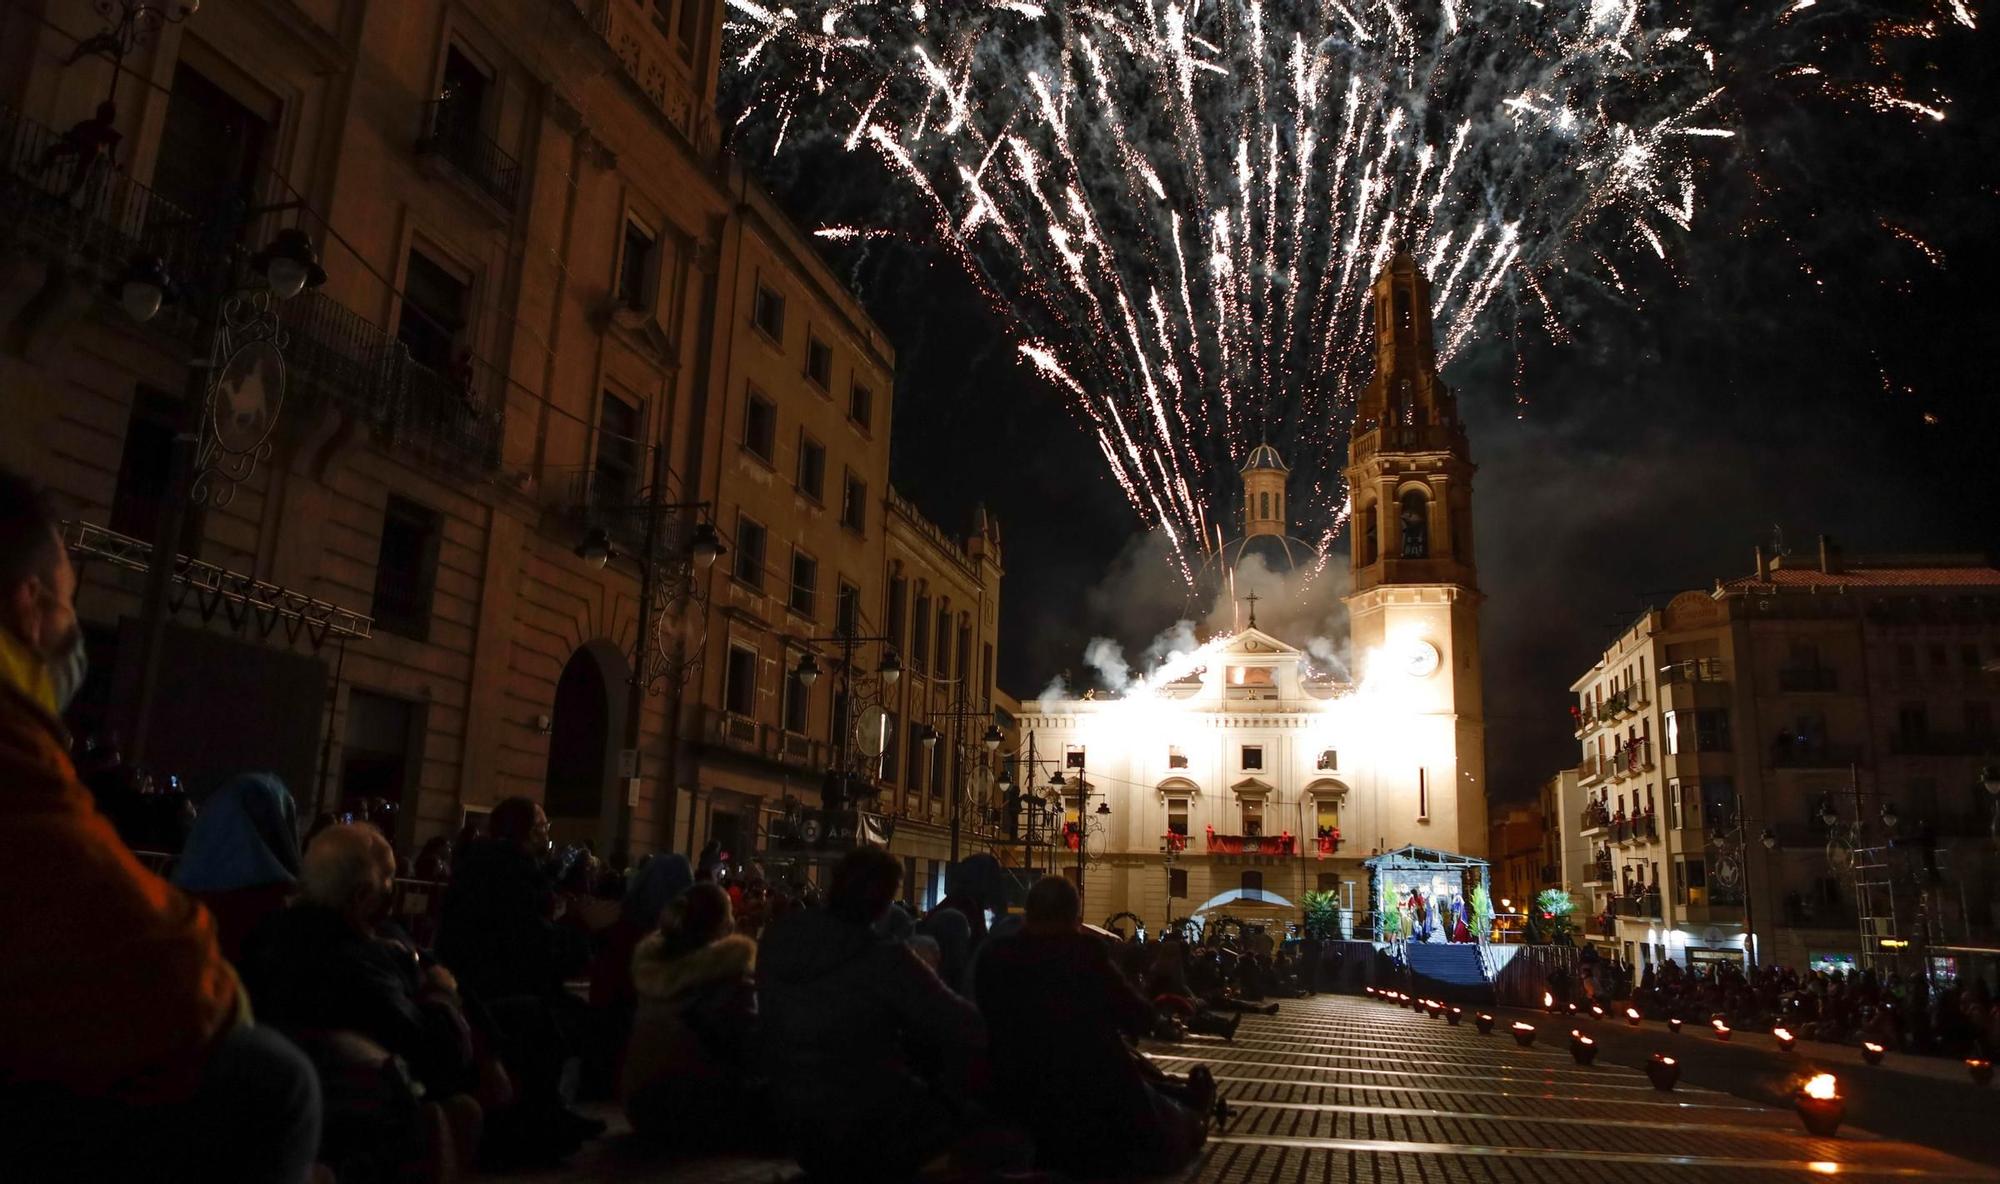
x=1340 y=1089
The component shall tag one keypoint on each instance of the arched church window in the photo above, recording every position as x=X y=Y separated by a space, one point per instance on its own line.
x=1369 y=544
x=1416 y=526
x=1403 y=309
x=1263 y=505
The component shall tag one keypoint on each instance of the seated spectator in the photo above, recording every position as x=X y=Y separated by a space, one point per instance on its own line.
x=242 y=859
x=661 y=882
x=127 y=1047
x=499 y=936
x=1059 y=1013
x=1167 y=985
x=689 y=1070
x=319 y=968
x=847 y=1012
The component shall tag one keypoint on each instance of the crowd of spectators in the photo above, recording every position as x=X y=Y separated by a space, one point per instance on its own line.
x=278 y=1013
x=1839 y=1006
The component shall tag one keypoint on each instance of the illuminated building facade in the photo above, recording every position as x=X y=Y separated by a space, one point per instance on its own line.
x=1237 y=777
x=1799 y=755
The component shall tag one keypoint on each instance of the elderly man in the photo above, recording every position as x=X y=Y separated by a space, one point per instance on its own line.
x=125 y=1041
x=318 y=971
x=318 y=965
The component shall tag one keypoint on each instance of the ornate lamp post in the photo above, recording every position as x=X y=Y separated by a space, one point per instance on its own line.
x=1083 y=795
x=990 y=740
x=230 y=405
x=889 y=669
x=651 y=660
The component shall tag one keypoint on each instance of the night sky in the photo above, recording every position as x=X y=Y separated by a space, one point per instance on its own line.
x=1794 y=369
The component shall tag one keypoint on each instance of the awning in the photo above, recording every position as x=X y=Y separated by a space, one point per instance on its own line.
x=1255 y=897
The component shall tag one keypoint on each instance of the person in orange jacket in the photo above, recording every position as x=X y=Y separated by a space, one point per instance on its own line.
x=126 y=1044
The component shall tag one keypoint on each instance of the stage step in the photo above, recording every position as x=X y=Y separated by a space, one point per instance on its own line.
x=1452 y=971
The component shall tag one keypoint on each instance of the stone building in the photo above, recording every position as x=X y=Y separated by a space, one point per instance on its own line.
x=1798 y=755
x=560 y=333
x=1516 y=853
x=1237 y=776
x=1563 y=850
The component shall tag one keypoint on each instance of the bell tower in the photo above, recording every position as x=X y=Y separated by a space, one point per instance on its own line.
x=1264 y=475
x=1413 y=610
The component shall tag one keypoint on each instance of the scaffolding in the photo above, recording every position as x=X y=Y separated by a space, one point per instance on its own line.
x=1899 y=890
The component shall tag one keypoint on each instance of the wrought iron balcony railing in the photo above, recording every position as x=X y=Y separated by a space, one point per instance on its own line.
x=451 y=132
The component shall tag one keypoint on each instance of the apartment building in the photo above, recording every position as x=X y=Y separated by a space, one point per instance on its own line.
x=450 y=494
x=1797 y=761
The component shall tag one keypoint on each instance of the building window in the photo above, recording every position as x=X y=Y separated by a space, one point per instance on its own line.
x=1253 y=817
x=847 y=609
x=406 y=569
x=616 y=472
x=811 y=477
x=768 y=314
x=145 y=469
x=1369 y=538
x=1253 y=757
x=211 y=152
x=1328 y=759
x=1416 y=523
x=861 y=406
x=1074 y=756
x=943 y=649
x=739 y=684
x=1263 y=505
x=689 y=26
x=798 y=703
x=760 y=426
x=913 y=779
x=920 y=635
x=819 y=363
x=1176 y=759
x=986 y=666
x=1329 y=882
x=1177 y=817
x=635 y=268
x=1712 y=730
x=1253 y=880
x=434 y=314
x=1913 y=722
x=892 y=746
x=1326 y=816
x=854 y=503
x=899 y=604
x=1423 y=795
x=749 y=551
x=805 y=584
x=964 y=645
x=1177 y=883
x=1690 y=882
x=938 y=752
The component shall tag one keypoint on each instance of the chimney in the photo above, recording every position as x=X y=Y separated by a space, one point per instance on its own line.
x=1829 y=556
x=1763 y=567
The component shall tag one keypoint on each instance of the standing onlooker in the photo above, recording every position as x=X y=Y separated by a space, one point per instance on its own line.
x=242 y=859
x=125 y=1046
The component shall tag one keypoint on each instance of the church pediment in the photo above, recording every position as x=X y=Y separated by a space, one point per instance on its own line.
x=1256 y=641
x=1251 y=787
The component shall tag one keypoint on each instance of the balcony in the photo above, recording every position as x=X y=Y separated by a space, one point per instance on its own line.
x=450 y=132
x=1792 y=754
x=1372 y=438
x=1806 y=680
x=747 y=737
x=1599 y=873
x=96 y=219
x=1637 y=904
x=1252 y=844
x=1638 y=828
x=1596 y=816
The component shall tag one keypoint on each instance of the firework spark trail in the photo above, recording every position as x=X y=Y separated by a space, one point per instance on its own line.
x=1181 y=203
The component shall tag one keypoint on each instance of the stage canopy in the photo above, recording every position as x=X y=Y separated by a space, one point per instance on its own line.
x=1420 y=894
x=1254 y=897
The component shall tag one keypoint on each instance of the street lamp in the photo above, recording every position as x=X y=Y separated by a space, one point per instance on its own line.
x=143 y=287
x=596 y=548
x=992 y=738
x=288 y=264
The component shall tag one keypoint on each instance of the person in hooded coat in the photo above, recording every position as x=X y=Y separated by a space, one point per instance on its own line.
x=689 y=1076
x=846 y=1014
x=242 y=858
x=1059 y=1014
x=663 y=880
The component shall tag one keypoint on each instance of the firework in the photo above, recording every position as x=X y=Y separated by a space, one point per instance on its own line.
x=1180 y=206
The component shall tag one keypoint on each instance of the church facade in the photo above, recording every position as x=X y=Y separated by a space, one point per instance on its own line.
x=1238 y=777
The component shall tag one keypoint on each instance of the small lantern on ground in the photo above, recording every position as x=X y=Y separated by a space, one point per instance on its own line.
x=1980 y=1069
x=1524 y=1034
x=1786 y=1041
x=1582 y=1048
x=1663 y=1071
x=1871 y=1052
x=1454 y=1015
x=1674 y=1025
x=1820 y=1106
x=1722 y=1030
x=1484 y=1022
x=1632 y=1017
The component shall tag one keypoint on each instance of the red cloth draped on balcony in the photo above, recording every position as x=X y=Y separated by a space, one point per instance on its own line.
x=1069 y=835
x=1176 y=843
x=1327 y=841
x=1284 y=844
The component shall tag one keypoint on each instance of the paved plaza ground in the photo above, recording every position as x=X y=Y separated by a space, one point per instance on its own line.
x=1339 y=1089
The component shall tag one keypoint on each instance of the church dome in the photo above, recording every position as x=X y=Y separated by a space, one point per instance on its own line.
x=1264 y=457
x=1279 y=554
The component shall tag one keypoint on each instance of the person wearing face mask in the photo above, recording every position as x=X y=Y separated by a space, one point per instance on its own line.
x=121 y=1015
x=498 y=934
